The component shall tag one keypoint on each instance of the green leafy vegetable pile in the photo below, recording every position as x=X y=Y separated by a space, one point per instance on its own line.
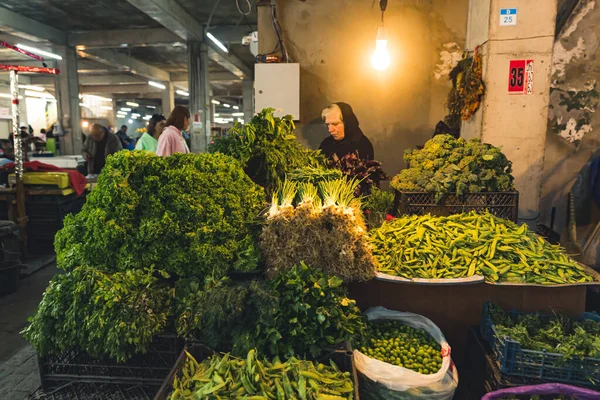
x=267 y=149
x=313 y=312
x=322 y=226
x=314 y=175
x=222 y=314
x=301 y=312
x=188 y=214
x=559 y=334
x=114 y=315
x=454 y=166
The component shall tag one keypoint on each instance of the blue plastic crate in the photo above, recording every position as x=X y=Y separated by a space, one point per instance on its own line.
x=550 y=367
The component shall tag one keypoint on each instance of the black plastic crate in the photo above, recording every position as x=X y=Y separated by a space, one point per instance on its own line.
x=342 y=358
x=93 y=391
x=501 y=204
x=143 y=369
x=53 y=208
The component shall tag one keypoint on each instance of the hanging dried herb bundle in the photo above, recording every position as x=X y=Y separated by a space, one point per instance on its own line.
x=467 y=90
x=322 y=226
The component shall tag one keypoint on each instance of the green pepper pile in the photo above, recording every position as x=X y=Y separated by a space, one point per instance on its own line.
x=396 y=343
x=227 y=377
x=463 y=245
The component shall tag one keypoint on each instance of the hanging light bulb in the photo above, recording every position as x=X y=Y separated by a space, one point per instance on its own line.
x=381 y=57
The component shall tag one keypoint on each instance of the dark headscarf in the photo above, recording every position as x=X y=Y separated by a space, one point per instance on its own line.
x=354 y=139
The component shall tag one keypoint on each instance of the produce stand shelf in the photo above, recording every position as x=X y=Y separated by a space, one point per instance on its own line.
x=548 y=367
x=342 y=358
x=453 y=308
x=144 y=369
x=501 y=204
x=93 y=391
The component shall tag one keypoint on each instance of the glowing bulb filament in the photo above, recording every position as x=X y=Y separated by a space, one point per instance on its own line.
x=381 y=57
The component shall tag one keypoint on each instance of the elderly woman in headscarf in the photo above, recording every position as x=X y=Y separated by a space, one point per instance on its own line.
x=346 y=136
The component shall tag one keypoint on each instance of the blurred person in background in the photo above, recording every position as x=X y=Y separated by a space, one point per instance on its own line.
x=99 y=144
x=122 y=135
x=149 y=140
x=171 y=140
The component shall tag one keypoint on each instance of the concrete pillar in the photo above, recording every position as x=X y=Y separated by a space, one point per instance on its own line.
x=112 y=114
x=515 y=122
x=199 y=89
x=248 y=97
x=67 y=96
x=167 y=99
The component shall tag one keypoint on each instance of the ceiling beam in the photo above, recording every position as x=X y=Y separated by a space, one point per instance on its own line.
x=126 y=63
x=120 y=38
x=173 y=17
x=13 y=23
x=120 y=89
x=123 y=38
x=232 y=34
x=94 y=80
x=213 y=77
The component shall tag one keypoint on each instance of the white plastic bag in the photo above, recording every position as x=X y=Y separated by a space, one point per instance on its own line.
x=387 y=381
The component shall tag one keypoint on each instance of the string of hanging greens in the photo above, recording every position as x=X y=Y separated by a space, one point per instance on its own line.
x=467 y=90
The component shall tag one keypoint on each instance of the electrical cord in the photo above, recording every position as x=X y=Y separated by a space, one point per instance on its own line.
x=212 y=13
x=237 y=3
x=277 y=29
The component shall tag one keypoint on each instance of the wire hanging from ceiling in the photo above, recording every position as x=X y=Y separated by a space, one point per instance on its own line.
x=237 y=3
x=279 y=32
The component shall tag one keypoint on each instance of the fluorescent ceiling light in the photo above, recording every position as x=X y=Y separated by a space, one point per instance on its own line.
x=84 y=105
x=226 y=105
x=237 y=114
x=217 y=42
x=132 y=104
x=217 y=102
x=40 y=95
x=236 y=108
x=151 y=107
x=157 y=85
x=241 y=121
x=125 y=109
x=39 y=52
x=130 y=122
x=92 y=96
x=182 y=92
x=217 y=114
x=109 y=108
x=34 y=88
x=147 y=117
x=134 y=117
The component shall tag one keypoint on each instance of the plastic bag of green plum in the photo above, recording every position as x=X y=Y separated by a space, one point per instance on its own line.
x=404 y=356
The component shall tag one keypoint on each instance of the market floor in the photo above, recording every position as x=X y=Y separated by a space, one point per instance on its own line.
x=18 y=362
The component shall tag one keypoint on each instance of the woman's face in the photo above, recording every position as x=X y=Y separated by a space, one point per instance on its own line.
x=159 y=127
x=186 y=124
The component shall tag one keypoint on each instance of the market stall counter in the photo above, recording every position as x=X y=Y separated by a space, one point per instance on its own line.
x=456 y=307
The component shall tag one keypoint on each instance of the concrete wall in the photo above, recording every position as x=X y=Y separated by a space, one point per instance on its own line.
x=333 y=41
x=573 y=135
x=517 y=123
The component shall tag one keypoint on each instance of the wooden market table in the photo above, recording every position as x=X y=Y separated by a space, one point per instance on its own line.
x=453 y=308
